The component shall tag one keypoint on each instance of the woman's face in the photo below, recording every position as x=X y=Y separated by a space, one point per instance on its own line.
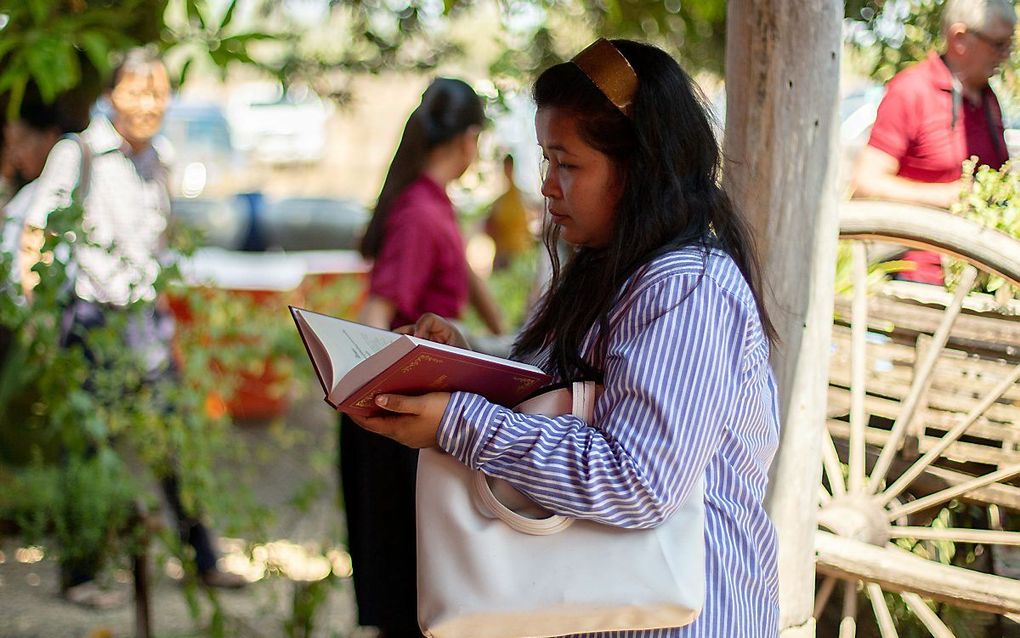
x=467 y=146
x=581 y=185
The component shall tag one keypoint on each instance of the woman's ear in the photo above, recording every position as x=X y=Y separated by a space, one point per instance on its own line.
x=469 y=143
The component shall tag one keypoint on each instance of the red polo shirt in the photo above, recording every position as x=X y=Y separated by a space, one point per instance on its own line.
x=421 y=266
x=915 y=125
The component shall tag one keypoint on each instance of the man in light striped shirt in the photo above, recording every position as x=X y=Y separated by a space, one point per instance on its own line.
x=122 y=167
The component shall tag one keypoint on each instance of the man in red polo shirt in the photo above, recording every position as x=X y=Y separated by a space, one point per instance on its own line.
x=938 y=113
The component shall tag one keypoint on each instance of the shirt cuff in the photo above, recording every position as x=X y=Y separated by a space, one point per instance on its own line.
x=467 y=423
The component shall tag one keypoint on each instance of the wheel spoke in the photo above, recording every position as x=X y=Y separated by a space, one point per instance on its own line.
x=933 y=623
x=833 y=469
x=824 y=498
x=956 y=535
x=897 y=570
x=952 y=492
x=916 y=428
x=921 y=380
x=823 y=594
x=858 y=367
x=848 y=625
x=955 y=433
x=886 y=627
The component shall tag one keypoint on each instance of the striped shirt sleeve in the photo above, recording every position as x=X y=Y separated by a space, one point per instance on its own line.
x=672 y=373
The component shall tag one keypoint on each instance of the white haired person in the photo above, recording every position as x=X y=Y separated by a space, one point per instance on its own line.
x=938 y=113
x=126 y=210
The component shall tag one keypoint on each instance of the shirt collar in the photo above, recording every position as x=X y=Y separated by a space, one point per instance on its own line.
x=939 y=74
x=102 y=137
x=433 y=186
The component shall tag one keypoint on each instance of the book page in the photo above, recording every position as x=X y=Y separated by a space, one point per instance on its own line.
x=346 y=342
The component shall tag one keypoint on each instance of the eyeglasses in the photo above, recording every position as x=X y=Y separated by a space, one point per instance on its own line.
x=1002 y=46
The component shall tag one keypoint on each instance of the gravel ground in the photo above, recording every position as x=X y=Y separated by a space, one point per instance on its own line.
x=284 y=457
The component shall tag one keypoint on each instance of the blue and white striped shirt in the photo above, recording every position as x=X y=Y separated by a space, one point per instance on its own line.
x=688 y=391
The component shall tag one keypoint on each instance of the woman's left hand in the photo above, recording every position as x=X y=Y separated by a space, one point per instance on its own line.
x=411 y=421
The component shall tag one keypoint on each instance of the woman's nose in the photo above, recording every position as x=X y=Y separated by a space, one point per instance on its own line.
x=550 y=186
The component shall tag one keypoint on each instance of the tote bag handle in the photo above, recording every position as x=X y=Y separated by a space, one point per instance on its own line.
x=583 y=406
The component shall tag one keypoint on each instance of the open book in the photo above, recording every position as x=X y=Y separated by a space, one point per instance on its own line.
x=355 y=362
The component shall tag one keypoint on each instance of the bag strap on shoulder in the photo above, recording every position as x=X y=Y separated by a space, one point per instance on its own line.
x=85 y=167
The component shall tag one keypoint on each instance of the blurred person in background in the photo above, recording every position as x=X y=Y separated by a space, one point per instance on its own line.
x=938 y=113
x=419 y=266
x=28 y=142
x=508 y=221
x=126 y=210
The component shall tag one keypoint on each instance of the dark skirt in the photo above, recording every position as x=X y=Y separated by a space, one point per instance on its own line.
x=378 y=479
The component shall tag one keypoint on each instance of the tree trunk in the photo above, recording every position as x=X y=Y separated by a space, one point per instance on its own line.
x=782 y=79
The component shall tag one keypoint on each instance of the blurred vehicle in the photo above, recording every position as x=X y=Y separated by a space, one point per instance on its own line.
x=222 y=221
x=204 y=161
x=313 y=223
x=1011 y=120
x=857 y=109
x=276 y=126
x=251 y=222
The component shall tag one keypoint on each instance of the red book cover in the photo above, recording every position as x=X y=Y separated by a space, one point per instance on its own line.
x=425 y=369
x=354 y=363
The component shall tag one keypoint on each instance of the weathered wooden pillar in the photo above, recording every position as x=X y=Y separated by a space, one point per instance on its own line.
x=782 y=77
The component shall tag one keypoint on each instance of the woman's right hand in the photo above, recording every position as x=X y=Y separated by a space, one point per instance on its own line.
x=434 y=328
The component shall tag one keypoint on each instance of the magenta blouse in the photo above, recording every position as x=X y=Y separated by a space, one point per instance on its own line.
x=421 y=266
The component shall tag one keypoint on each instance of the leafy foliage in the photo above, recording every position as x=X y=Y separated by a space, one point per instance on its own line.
x=66 y=47
x=79 y=439
x=62 y=45
x=990 y=198
x=889 y=36
x=193 y=33
x=878 y=272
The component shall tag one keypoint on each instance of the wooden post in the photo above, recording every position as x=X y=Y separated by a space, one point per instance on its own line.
x=782 y=80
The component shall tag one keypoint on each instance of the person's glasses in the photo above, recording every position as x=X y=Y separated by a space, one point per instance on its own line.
x=1001 y=46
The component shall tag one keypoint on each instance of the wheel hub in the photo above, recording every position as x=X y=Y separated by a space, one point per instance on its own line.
x=857 y=517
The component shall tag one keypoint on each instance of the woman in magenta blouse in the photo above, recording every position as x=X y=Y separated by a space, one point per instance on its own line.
x=419 y=266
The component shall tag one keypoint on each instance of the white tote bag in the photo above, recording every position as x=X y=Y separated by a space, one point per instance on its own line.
x=492 y=564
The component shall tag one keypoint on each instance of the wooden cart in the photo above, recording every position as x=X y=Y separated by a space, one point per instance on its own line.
x=923 y=411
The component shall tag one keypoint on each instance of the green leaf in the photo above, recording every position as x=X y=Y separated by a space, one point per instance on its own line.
x=40 y=11
x=183 y=75
x=195 y=13
x=17 y=86
x=97 y=48
x=53 y=65
x=251 y=36
x=228 y=15
x=8 y=44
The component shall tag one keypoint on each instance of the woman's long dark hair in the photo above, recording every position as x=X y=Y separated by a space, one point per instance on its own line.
x=448 y=108
x=669 y=159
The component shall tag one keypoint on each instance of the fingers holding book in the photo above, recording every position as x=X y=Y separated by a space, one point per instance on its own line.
x=434 y=328
x=408 y=420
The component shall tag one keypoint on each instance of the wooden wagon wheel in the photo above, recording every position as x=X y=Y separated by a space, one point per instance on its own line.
x=924 y=409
